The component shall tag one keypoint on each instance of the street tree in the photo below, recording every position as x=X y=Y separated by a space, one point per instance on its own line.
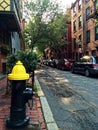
x=47 y=25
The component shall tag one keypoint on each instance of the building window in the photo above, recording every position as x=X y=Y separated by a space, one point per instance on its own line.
x=88 y=36
x=4 y=37
x=80 y=38
x=80 y=41
x=80 y=21
x=74 y=11
x=88 y=13
x=96 y=5
x=87 y=1
x=5 y=5
x=79 y=5
x=74 y=43
x=96 y=33
x=93 y=52
x=13 y=50
x=74 y=26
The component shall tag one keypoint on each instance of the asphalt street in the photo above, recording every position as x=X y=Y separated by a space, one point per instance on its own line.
x=73 y=98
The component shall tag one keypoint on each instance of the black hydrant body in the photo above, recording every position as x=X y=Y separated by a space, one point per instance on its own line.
x=18 y=117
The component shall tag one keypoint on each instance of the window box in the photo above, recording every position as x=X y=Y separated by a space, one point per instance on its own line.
x=5 y=49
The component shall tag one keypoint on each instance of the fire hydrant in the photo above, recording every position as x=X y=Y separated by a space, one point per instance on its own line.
x=19 y=95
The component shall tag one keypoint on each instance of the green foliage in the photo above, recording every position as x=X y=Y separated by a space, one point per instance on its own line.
x=29 y=60
x=5 y=46
x=57 y=29
x=5 y=49
x=47 y=26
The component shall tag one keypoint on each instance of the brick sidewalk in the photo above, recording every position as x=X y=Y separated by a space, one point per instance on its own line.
x=36 y=116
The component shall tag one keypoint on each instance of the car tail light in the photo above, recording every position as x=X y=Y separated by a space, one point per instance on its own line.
x=95 y=66
x=66 y=62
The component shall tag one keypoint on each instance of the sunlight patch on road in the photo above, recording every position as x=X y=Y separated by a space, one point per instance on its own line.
x=62 y=80
x=66 y=100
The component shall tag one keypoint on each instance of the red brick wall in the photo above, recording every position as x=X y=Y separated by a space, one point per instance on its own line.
x=87 y=25
x=1 y=57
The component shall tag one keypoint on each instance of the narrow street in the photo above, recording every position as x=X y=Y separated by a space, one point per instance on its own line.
x=73 y=98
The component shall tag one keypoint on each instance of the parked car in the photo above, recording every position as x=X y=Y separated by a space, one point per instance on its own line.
x=88 y=65
x=64 y=64
x=53 y=63
x=45 y=62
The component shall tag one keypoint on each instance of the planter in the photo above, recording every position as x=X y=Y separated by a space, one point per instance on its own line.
x=4 y=48
x=4 y=51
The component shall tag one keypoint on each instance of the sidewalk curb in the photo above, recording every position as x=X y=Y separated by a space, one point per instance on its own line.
x=49 y=120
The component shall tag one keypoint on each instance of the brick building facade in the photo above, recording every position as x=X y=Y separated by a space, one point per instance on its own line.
x=84 y=28
x=11 y=38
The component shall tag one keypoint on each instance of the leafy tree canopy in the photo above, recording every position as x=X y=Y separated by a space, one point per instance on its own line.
x=47 y=25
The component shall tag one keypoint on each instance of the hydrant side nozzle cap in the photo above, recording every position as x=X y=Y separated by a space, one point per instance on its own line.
x=18 y=72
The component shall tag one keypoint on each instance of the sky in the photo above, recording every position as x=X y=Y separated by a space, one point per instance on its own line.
x=66 y=3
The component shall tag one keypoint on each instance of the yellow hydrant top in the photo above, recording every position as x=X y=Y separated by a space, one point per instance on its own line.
x=18 y=72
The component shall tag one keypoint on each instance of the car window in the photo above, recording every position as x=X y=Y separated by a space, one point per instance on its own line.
x=96 y=58
x=85 y=60
x=81 y=60
x=91 y=60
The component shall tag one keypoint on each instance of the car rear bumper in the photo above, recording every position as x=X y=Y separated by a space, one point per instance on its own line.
x=94 y=72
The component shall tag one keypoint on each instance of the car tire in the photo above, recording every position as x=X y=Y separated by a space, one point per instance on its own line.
x=62 y=68
x=87 y=73
x=57 y=67
x=72 y=70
